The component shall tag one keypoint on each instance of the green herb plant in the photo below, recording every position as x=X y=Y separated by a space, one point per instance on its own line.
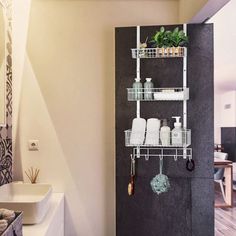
x=166 y=38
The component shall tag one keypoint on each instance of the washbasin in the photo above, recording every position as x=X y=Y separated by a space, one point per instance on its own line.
x=32 y=199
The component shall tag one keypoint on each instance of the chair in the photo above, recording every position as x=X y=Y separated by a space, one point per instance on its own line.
x=219 y=172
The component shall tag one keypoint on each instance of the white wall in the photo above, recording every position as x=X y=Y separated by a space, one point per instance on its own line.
x=189 y=8
x=228 y=109
x=67 y=102
x=224 y=59
x=20 y=20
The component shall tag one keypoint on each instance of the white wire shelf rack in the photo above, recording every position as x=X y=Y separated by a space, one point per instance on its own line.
x=176 y=153
x=156 y=139
x=158 y=94
x=168 y=52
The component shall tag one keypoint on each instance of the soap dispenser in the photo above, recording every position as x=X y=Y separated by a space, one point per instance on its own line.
x=165 y=134
x=177 y=132
x=137 y=86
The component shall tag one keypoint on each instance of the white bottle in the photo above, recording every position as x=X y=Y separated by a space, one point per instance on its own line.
x=177 y=133
x=138 y=92
x=148 y=89
x=165 y=134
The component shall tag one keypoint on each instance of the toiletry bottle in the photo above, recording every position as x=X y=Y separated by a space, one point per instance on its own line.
x=148 y=86
x=165 y=134
x=177 y=133
x=137 y=86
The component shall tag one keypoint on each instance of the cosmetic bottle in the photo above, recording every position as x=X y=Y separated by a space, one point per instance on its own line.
x=137 y=86
x=165 y=134
x=148 y=86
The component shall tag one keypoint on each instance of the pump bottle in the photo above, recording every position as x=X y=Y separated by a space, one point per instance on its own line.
x=177 y=132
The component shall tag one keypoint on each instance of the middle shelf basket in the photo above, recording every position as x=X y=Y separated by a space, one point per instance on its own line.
x=156 y=139
x=158 y=94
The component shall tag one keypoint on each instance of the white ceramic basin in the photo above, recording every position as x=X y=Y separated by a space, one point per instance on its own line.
x=32 y=199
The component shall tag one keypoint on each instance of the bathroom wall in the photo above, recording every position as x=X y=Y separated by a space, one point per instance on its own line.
x=19 y=37
x=189 y=8
x=6 y=131
x=67 y=102
x=228 y=109
x=199 y=11
x=224 y=60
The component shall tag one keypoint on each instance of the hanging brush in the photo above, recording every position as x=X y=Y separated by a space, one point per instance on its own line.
x=132 y=175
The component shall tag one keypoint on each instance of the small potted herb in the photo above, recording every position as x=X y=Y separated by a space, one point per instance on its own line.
x=169 y=42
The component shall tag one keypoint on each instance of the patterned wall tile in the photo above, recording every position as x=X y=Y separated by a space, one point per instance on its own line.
x=5 y=161
x=6 y=132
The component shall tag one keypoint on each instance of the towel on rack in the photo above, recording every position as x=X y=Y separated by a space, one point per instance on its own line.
x=3 y=226
x=6 y=214
x=138 y=131
x=152 y=134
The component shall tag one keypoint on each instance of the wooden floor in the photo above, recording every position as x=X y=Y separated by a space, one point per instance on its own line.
x=225 y=218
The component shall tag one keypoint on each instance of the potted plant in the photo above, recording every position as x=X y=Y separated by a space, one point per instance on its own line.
x=178 y=39
x=169 y=42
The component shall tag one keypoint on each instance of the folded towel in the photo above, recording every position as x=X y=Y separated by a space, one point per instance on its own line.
x=152 y=135
x=3 y=225
x=7 y=214
x=169 y=95
x=138 y=131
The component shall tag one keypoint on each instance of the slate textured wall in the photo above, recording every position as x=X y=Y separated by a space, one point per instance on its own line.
x=188 y=208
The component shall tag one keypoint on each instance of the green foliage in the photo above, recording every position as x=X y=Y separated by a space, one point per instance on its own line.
x=164 y=38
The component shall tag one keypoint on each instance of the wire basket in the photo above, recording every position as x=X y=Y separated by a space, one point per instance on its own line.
x=168 y=52
x=157 y=139
x=158 y=94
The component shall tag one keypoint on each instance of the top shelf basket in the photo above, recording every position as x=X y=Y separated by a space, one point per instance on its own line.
x=169 y=52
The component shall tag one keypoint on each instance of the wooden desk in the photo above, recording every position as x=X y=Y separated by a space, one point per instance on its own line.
x=228 y=174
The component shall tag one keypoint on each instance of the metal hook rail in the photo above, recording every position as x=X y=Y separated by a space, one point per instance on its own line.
x=175 y=153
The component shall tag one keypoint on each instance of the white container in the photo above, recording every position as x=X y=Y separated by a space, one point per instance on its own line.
x=138 y=89
x=152 y=134
x=138 y=131
x=148 y=87
x=177 y=133
x=165 y=134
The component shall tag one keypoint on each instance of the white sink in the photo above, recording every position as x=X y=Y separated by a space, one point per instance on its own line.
x=32 y=199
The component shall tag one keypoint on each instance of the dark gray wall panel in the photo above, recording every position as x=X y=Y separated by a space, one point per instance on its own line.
x=172 y=213
x=228 y=141
x=202 y=206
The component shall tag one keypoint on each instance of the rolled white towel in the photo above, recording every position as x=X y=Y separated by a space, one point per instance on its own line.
x=3 y=225
x=138 y=131
x=152 y=134
x=6 y=214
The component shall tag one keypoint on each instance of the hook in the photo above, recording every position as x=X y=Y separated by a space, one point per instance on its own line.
x=138 y=152
x=175 y=158
x=132 y=157
x=132 y=166
x=146 y=157
x=161 y=163
x=190 y=164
